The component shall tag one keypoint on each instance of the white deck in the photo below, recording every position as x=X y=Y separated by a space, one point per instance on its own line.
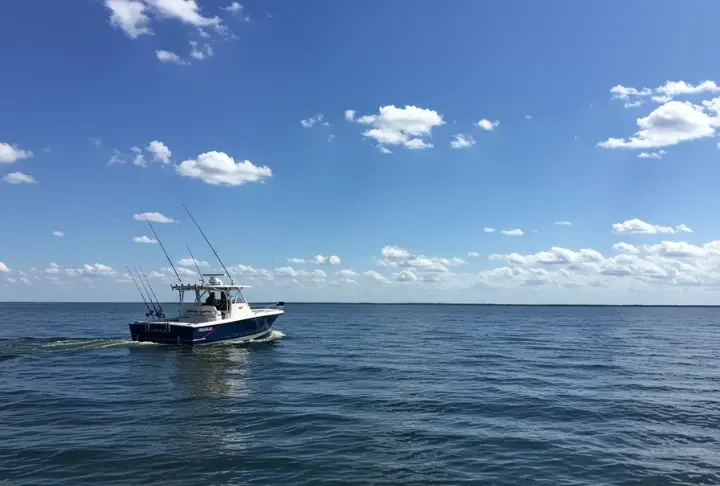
x=253 y=314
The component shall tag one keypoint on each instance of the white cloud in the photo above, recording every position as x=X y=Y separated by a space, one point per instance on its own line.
x=96 y=270
x=59 y=234
x=189 y=262
x=637 y=226
x=234 y=7
x=4 y=268
x=186 y=11
x=169 y=57
x=19 y=178
x=350 y=115
x=25 y=280
x=296 y=260
x=461 y=141
x=513 y=232
x=154 y=217
x=625 y=248
x=671 y=89
x=487 y=124
x=218 y=168
x=160 y=151
x=309 y=122
x=563 y=223
x=11 y=280
x=130 y=16
x=405 y=276
x=323 y=260
x=202 y=53
x=401 y=126
x=652 y=155
x=528 y=117
x=683 y=229
x=489 y=230
x=669 y=124
x=473 y=254
x=347 y=273
x=10 y=154
x=144 y=239
x=376 y=276
x=395 y=256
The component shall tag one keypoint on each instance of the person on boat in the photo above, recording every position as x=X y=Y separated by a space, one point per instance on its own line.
x=211 y=300
x=222 y=303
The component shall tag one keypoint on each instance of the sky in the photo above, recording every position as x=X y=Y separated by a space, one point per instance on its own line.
x=405 y=151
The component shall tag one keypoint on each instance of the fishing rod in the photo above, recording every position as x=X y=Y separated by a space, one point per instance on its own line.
x=209 y=244
x=163 y=248
x=149 y=312
x=147 y=292
x=160 y=313
x=202 y=279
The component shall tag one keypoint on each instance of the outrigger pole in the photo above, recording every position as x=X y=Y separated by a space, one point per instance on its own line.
x=163 y=249
x=155 y=311
x=159 y=313
x=209 y=244
x=202 y=279
x=149 y=312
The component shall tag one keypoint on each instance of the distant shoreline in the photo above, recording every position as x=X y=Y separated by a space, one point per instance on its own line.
x=383 y=304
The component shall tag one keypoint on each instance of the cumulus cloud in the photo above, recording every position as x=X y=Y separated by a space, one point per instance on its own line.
x=406 y=127
x=487 y=124
x=563 y=223
x=130 y=16
x=637 y=226
x=667 y=125
x=154 y=217
x=200 y=53
x=350 y=115
x=19 y=178
x=461 y=141
x=169 y=57
x=219 y=169
x=161 y=153
x=473 y=254
x=671 y=89
x=652 y=155
x=376 y=276
x=59 y=234
x=234 y=7
x=513 y=232
x=327 y=260
x=4 y=268
x=309 y=122
x=489 y=230
x=395 y=256
x=10 y=154
x=144 y=239
x=189 y=262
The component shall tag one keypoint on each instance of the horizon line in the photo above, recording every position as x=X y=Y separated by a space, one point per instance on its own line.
x=482 y=304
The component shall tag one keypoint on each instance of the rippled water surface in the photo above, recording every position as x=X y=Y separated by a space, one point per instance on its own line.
x=365 y=394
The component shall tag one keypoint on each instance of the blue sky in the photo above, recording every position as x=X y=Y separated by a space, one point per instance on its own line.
x=114 y=108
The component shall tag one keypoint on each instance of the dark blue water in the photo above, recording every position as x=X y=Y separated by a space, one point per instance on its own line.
x=358 y=394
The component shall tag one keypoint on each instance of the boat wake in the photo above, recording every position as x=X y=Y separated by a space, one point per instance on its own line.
x=15 y=349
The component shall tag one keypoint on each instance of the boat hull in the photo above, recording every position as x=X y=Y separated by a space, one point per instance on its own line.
x=174 y=333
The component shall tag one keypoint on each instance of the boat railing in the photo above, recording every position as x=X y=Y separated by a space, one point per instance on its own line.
x=278 y=305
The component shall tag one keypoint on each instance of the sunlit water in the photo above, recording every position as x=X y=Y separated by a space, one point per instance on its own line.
x=365 y=394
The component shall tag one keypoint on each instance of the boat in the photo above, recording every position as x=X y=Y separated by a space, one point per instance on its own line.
x=216 y=311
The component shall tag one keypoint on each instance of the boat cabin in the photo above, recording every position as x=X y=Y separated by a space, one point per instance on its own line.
x=211 y=301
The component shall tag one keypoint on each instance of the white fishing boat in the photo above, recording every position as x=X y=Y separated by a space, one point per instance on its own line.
x=215 y=312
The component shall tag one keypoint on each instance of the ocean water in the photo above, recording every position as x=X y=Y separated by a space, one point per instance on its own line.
x=365 y=394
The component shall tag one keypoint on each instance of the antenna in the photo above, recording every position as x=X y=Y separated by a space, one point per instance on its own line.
x=150 y=312
x=210 y=244
x=202 y=279
x=163 y=248
x=160 y=313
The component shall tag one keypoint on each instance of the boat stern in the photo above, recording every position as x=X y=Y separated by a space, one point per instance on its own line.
x=161 y=332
